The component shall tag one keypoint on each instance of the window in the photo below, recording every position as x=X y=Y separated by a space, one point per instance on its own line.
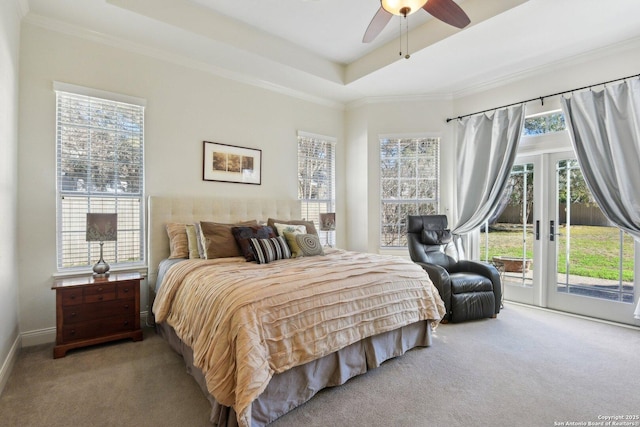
x=99 y=170
x=544 y=123
x=316 y=179
x=409 y=184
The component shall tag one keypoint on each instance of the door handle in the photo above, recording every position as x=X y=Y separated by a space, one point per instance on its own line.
x=552 y=230
x=538 y=229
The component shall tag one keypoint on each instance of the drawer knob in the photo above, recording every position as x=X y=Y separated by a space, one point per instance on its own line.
x=100 y=289
x=100 y=297
x=73 y=314
x=125 y=290
x=126 y=322
x=73 y=332
x=126 y=306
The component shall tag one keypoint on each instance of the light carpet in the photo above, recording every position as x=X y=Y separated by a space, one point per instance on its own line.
x=528 y=367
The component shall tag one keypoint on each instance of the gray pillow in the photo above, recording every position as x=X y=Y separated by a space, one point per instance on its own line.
x=309 y=244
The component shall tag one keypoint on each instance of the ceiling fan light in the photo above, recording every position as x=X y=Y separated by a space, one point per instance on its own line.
x=397 y=7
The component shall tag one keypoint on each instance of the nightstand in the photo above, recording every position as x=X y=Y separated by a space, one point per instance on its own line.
x=96 y=310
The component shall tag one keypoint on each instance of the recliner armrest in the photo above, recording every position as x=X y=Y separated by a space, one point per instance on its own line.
x=440 y=278
x=486 y=270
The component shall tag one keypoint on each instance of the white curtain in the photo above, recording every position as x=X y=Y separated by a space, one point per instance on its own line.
x=486 y=149
x=605 y=132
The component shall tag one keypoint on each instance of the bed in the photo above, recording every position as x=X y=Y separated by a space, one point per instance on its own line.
x=262 y=339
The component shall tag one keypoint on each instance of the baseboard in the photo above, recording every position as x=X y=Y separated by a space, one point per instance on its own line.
x=39 y=336
x=579 y=316
x=9 y=362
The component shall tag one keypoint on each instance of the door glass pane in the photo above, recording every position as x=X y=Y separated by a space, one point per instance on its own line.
x=508 y=239
x=595 y=258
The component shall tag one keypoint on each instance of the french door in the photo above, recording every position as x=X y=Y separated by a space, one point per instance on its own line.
x=510 y=242
x=590 y=262
x=553 y=246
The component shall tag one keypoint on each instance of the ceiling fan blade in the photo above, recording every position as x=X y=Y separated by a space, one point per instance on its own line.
x=377 y=24
x=447 y=11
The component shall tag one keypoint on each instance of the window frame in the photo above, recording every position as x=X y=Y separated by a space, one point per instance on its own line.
x=64 y=91
x=435 y=201
x=325 y=205
x=553 y=122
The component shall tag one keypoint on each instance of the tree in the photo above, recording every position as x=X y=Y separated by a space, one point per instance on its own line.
x=578 y=192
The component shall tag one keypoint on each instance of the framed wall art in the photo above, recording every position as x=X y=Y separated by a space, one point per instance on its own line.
x=230 y=163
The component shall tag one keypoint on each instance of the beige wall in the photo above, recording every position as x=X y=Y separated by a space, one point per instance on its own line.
x=184 y=107
x=606 y=64
x=10 y=16
x=366 y=122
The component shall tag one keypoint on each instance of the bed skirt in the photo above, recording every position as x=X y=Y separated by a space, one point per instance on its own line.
x=294 y=387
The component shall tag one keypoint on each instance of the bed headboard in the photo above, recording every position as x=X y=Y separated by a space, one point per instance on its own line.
x=162 y=210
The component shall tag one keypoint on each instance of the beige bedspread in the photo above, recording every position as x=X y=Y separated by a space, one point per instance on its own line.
x=246 y=321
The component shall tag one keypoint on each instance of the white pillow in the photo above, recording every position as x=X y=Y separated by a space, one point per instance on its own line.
x=290 y=228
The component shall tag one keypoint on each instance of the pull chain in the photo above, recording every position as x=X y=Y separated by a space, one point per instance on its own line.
x=407 y=56
x=400 y=39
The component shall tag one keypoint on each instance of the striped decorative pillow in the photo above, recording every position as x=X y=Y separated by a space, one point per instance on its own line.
x=268 y=250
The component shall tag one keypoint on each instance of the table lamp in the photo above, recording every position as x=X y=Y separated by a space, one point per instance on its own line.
x=102 y=227
x=328 y=223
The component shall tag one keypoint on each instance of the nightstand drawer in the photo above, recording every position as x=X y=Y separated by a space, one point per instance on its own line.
x=82 y=313
x=99 y=293
x=92 y=294
x=126 y=290
x=98 y=327
x=71 y=296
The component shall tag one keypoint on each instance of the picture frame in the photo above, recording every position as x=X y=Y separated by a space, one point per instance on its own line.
x=231 y=163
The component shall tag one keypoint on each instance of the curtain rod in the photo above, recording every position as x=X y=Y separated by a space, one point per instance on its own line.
x=541 y=98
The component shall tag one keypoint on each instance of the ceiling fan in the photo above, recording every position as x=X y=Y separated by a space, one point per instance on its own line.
x=445 y=10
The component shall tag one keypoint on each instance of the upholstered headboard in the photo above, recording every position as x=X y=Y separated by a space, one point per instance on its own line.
x=162 y=210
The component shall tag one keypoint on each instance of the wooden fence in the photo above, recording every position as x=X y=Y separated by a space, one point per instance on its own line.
x=581 y=214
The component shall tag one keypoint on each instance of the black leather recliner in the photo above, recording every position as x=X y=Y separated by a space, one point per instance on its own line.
x=470 y=289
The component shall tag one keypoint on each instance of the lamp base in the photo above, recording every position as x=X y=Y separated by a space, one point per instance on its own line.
x=101 y=268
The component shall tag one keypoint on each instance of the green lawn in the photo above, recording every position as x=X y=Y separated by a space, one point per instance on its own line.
x=594 y=251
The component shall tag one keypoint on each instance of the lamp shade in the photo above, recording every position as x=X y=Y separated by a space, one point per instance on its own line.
x=327 y=221
x=102 y=227
x=402 y=7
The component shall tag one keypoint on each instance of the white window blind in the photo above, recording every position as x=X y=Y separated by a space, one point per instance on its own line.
x=409 y=184
x=316 y=179
x=99 y=170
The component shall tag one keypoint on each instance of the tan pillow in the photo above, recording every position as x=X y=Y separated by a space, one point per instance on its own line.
x=311 y=228
x=218 y=241
x=296 y=251
x=178 y=243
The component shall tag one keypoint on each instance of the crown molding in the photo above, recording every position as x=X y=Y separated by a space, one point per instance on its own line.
x=374 y=100
x=163 y=55
x=590 y=55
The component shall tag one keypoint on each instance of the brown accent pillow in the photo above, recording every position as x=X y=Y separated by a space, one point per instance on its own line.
x=218 y=241
x=243 y=236
x=178 y=243
x=311 y=228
